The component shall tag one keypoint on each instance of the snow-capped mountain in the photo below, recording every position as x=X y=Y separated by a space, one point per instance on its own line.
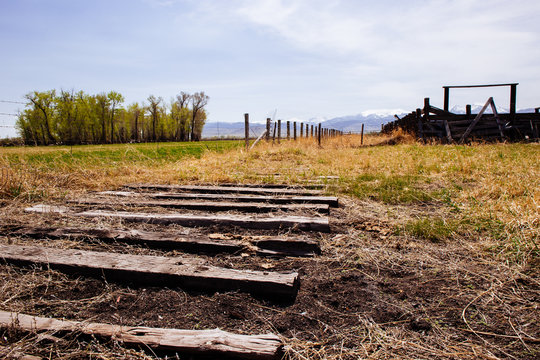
x=372 y=120
x=475 y=109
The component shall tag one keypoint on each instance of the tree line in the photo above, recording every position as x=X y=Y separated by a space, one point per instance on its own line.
x=71 y=118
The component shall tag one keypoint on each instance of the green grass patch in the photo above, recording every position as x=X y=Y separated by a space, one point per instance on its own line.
x=391 y=189
x=116 y=154
x=432 y=229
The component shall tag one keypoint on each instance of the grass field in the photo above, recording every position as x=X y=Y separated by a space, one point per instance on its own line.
x=434 y=252
x=487 y=190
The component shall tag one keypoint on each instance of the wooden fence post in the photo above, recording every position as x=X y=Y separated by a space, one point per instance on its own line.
x=319 y=134
x=294 y=130
x=246 y=123
x=426 y=109
x=420 y=124
x=513 y=89
x=288 y=130
x=362 y=136
x=301 y=130
x=268 y=129
x=278 y=131
x=274 y=136
x=311 y=130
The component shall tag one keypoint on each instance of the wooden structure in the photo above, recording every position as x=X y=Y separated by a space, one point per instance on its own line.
x=171 y=240
x=431 y=122
x=215 y=343
x=194 y=220
x=183 y=272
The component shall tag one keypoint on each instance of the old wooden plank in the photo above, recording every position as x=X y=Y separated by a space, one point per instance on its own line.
x=181 y=272
x=448 y=132
x=330 y=200
x=212 y=206
x=152 y=239
x=225 y=189
x=269 y=185
x=214 y=342
x=248 y=222
x=280 y=246
x=475 y=121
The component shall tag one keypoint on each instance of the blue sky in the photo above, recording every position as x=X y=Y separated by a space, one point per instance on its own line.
x=305 y=58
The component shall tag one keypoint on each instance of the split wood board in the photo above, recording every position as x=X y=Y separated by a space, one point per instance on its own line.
x=212 y=206
x=329 y=200
x=249 y=222
x=225 y=189
x=181 y=272
x=276 y=246
x=217 y=343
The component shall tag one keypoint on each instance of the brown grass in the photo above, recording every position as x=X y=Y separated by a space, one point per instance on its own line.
x=468 y=215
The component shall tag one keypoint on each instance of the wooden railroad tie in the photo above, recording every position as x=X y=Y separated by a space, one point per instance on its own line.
x=180 y=272
x=211 y=206
x=329 y=200
x=249 y=222
x=215 y=343
x=218 y=243
x=225 y=189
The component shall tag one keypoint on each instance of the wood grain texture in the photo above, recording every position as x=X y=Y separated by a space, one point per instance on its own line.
x=214 y=342
x=211 y=206
x=249 y=222
x=329 y=200
x=226 y=189
x=183 y=272
x=169 y=240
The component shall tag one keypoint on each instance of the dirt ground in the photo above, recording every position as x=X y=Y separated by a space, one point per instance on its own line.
x=373 y=293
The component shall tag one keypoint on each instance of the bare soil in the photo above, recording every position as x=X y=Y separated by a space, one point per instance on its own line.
x=373 y=293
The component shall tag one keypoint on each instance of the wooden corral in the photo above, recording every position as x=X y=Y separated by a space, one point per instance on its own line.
x=431 y=122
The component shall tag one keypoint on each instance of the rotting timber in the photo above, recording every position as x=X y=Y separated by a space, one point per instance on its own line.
x=432 y=123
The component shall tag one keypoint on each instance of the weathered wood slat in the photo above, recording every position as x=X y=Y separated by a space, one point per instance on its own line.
x=213 y=206
x=248 y=222
x=279 y=246
x=181 y=272
x=225 y=189
x=329 y=200
x=215 y=342
x=152 y=239
x=270 y=186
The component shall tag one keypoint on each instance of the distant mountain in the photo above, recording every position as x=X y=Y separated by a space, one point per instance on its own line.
x=372 y=121
x=475 y=109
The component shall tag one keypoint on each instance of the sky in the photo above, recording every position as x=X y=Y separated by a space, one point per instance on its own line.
x=299 y=59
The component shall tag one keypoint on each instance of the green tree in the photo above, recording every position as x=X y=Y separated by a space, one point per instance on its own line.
x=154 y=108
x=43 y=102
x=115 y=99
x=198 y=102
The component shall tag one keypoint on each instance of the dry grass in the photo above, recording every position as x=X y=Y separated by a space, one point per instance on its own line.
x=466 y=214
x=491 y=190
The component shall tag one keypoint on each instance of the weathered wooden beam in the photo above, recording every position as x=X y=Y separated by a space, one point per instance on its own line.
x=211 y=206
x=226 y=189
x=448 y=132
x=152 y=239
x=475 y=121
x=183 y=272
x=269 y=186
x=216 y=343
x=330 y=200
x=280 y=246
x=248 y=222
x=477 y=86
